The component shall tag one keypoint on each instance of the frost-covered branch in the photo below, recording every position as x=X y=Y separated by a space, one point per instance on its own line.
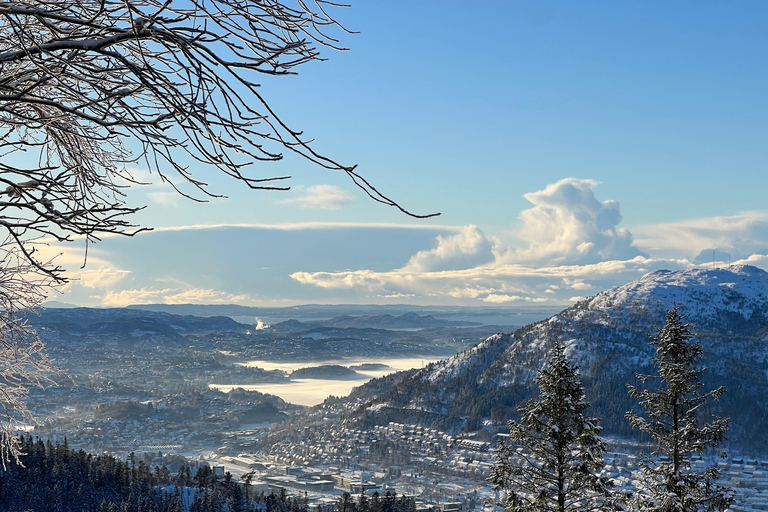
x=90 y=88
x=177 y=82
x=23 y=360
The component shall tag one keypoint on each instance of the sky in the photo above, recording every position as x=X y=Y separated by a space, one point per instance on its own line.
x=569 y=147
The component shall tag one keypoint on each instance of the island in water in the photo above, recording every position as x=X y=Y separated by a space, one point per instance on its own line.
x=327 y=371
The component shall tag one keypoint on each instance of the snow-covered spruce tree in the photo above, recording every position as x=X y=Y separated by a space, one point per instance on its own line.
x=552 y=459
x=672 y=419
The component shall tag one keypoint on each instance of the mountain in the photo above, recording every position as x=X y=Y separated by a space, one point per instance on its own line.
x=607 y=335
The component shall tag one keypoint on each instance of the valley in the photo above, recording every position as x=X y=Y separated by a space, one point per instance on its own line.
x=324 y=406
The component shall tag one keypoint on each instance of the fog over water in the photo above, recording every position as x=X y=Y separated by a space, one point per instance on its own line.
x=314 y=391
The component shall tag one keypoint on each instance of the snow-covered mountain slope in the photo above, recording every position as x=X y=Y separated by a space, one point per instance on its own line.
x=607 y=335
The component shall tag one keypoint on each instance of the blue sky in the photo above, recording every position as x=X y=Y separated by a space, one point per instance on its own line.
x=570 y=146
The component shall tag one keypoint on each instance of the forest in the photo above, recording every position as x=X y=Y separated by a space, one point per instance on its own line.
x=56 y=478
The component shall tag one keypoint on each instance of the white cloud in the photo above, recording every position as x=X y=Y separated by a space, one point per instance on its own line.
x=501 y=298
x=169 y=198
x=525 y=281
x=576 y=284
x=469 y=292
x=569 y=245
x=103 y=276
x=132 y=176
x=741 y=235
x=118 y=263
x=147 y=295
x=326 y=197
x=287 y=226
x=571 y=242
x=467 y=248
x=758 y=260
x=398 y=296
x=567 y=224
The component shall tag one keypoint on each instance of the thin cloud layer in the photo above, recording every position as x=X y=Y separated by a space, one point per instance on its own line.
x=123 y=298
x=498 y=283
x=111 y=286
x=244 y=263
x=741 y=235
x=165 y=198
x=103 y=276
x=325 y=197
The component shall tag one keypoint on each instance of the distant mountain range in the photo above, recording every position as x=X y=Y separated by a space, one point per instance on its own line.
x=325 y=312
x=405 y=321
x=384 y=335
x=607 y=335
x=130 y=322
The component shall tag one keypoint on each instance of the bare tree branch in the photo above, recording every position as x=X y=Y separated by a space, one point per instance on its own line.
x=88 y=87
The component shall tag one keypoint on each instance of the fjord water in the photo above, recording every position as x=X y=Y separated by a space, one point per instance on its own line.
x=314 y=391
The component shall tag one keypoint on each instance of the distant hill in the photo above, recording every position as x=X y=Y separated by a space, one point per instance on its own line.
x=289 y=340
x=130 y=322
x=389 y=322
x=405 y=321
x=328 y=312
x=607 y=336
x=327 y=371
x=58 y=304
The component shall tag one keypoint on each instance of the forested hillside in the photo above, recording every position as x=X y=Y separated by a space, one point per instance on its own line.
x=52 y=477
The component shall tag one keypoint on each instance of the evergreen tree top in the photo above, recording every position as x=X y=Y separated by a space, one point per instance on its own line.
x=672 y=418
x=554 y=454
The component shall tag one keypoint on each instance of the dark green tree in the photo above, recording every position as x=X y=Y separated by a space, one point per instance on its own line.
x=345 y=502
x=247 y=479
x=672 y=418
x=552 y=459
x=376 y=505
x=363 y=504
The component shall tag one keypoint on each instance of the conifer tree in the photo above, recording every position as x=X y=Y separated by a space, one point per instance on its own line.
x=672 y=419
x=376 y=505
x=552 y=459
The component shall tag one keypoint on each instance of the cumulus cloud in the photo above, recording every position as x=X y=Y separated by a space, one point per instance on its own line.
x=567 y=224
x=326 y=197
x=569 y=242
x=758 y=260
x=576 y=284
x=467 y=248
x=569 y=245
